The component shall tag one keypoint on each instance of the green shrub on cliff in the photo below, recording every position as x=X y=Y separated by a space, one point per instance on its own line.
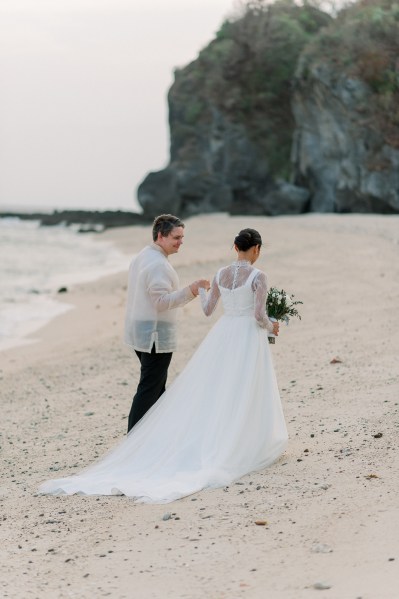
x=363 y=43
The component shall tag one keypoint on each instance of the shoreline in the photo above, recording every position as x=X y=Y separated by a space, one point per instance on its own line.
x=39 y=291
x=329 y=502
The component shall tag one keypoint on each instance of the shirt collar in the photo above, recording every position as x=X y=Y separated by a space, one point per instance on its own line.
x=159 y=249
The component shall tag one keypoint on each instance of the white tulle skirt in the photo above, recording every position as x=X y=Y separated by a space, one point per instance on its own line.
x=220 y=419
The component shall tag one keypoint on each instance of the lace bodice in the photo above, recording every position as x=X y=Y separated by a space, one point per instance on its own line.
x=243 y=290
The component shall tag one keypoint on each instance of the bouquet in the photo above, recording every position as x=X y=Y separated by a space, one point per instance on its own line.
x=280 y=306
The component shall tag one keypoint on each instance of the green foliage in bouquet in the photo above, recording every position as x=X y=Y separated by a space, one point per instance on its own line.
x=281 y=306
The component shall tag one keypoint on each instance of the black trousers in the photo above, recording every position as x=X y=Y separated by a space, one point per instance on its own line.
x=153 y=375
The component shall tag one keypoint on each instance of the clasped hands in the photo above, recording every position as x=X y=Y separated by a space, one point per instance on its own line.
x=195 y=287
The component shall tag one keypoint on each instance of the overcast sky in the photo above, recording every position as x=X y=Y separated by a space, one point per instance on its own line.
x=83 y=83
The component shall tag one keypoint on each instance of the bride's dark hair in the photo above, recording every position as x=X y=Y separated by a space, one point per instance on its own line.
x=246 y=239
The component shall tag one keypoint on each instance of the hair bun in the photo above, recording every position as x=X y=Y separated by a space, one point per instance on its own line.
x=246 y=239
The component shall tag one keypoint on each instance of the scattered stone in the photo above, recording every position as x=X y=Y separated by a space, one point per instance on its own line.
x=62 y=290
x=89 y=413
x=321 y=586
x=377 y=436
x=167 y=516
x=336 y=360
x=325 y=486
x=371 y=476
x=321 y=548
x=346 y=451
x=261 y=522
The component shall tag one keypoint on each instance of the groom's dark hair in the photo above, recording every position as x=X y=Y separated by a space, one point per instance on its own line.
x=164 y=224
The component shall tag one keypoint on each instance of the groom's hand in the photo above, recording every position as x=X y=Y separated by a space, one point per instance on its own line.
x=197 y=284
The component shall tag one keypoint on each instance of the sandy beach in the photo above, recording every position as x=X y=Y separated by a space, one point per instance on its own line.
x=330 y=503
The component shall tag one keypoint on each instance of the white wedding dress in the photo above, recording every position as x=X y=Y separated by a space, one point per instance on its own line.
x=220 y=419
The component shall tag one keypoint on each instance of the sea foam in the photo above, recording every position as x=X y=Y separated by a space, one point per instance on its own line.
x=35 y=263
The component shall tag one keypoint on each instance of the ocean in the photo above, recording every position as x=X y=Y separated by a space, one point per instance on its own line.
x=35 y=263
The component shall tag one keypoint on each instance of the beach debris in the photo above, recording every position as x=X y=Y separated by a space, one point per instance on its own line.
x=261 y=522
x=321 y=586
x=325 y=486
x=377 y=436
x=62 y=290
x=167 y=516
x=89 y=413
x=336 y=360
x=346 y=451
x=321 y=548
x=371 y=476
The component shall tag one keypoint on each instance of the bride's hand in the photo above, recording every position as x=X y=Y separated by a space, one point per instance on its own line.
x=276 y=328
x=197 y=284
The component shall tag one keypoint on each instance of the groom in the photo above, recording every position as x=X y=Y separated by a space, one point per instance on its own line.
x=150 y=326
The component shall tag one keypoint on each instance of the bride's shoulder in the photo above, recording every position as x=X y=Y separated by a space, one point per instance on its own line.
x=259 y=276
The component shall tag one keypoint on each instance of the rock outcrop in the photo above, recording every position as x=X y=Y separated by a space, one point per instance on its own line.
x=86 y=221
x=231 y=122
x=286 y=111
x=344 y=161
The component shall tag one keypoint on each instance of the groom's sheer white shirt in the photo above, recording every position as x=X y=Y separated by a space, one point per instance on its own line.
x=235 y=276
x=153 y=293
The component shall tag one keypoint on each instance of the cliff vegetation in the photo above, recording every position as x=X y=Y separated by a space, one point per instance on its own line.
x=288 y=109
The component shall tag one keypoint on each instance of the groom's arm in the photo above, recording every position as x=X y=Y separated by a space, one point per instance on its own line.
x=161 y=289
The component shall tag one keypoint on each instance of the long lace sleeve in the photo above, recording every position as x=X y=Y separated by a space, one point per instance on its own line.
x=160 y=288
x=209 y=300
x=260 y=288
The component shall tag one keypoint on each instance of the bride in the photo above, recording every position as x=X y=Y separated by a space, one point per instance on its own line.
x=220 y=419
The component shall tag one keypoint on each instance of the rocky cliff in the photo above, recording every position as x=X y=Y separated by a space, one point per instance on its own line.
x=275 y=117
x=345 y=102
